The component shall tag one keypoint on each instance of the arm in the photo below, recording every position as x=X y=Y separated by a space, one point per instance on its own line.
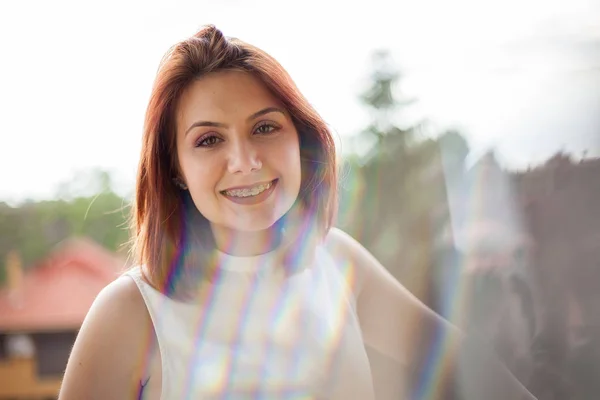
x=398 y=325
x=107 y=359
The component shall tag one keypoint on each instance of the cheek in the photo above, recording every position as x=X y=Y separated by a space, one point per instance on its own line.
x=199 y=174
x=291 y=156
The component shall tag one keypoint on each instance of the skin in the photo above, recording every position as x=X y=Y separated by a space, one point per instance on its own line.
x=115 y=352
x=232 y=132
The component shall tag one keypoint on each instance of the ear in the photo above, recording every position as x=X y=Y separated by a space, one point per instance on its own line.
x=180 y=184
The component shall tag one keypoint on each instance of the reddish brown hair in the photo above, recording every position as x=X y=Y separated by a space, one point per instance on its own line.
x=160 y=210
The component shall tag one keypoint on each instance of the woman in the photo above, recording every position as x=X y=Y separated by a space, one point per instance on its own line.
x=245 y=290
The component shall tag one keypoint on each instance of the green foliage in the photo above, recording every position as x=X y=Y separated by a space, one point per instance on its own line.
x=34 y=228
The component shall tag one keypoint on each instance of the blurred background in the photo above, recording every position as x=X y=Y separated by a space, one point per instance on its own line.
x=469 y=139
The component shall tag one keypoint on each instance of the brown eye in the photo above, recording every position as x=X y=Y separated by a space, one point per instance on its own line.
x=208 y=141
x=266 y=128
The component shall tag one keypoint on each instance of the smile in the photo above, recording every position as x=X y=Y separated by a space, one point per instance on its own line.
x=252 y=194
x=249 y=191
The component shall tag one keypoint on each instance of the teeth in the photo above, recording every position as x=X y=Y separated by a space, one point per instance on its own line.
x=256 y=190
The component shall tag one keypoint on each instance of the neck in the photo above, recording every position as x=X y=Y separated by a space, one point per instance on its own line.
x=244 y=243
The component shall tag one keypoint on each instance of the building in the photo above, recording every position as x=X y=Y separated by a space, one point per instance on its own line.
x=41 y=310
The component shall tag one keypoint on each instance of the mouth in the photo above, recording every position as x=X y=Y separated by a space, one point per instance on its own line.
x=251 y=194
x=249 y=191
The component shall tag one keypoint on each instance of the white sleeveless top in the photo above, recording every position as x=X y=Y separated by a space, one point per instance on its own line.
x=260 y=336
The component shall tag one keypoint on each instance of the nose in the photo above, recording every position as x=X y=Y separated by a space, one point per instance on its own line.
x=243 y=158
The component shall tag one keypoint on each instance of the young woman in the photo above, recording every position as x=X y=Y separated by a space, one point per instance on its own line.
x=244 y=289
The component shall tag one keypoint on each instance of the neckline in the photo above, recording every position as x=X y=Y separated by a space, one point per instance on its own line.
x=251 y=264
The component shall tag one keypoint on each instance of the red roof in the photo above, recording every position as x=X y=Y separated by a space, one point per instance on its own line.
x=58 y=292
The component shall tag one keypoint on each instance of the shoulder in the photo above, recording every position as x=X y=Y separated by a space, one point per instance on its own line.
x=349 y=253
x=376 y=285
x=388 y=312
x=106 y=358
x=341 y=244
x=119 y=302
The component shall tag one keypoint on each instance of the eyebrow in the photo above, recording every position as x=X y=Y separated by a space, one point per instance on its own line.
x=221 y=125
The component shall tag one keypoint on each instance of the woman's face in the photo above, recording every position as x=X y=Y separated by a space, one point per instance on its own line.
x=238 y=151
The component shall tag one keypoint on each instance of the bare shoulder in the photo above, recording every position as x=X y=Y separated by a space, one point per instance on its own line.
x=384 y=305
x=106 y=359
x=349 y=253
x=341 y=245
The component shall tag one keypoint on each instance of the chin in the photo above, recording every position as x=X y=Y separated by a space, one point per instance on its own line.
x=255 y=224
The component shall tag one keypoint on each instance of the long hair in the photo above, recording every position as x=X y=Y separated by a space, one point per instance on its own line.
x=164 y=220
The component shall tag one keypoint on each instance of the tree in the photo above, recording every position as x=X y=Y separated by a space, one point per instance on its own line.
x=393 y=198
x=34 y=228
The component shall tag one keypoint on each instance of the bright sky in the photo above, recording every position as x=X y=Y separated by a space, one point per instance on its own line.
x=520 y=75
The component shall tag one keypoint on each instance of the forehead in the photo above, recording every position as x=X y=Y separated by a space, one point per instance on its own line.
x=224 y=96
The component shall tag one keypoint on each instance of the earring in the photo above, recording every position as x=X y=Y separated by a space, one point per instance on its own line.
x=179 y=183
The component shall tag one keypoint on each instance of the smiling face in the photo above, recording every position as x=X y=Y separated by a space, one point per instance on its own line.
x=238 y=152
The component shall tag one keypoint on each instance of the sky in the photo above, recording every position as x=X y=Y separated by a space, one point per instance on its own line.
x=519 y=76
